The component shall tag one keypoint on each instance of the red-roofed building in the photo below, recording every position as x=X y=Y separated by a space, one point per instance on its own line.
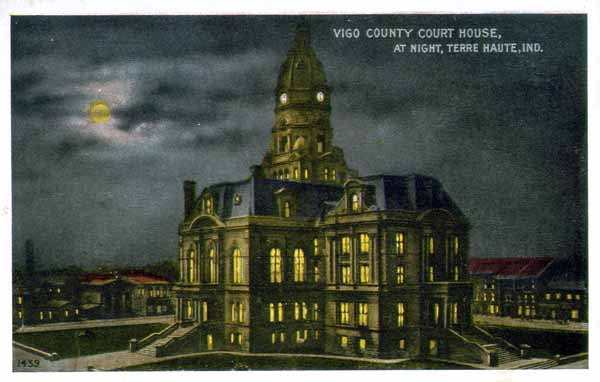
x=528 y=288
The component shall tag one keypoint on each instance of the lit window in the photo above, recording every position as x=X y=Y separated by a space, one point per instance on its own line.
x=271 y=312
x=432 y=345
x=286 y=174
x=66 y=314
x=280 y=312
x=50 y=315
x=237 y=266
x=305 y=173
x=400 y=311
x=431 y=245
x=402 y=344
x=569 y=296
x=577 y=297
x=436 y=313
x=240 y=308
x=362 y=344
x=400 y=275
x=275 y=265
x=232 y=338
x=344 y=341
x=304 y=311
x=286 y=210
x=316 y=246
x=456 y=273
x=301 y=336
x=355 y=203
x=233 y=312
x=315 y=311
x=344 y=313
x=455 y=246
x=316 y=274
x=273 y=337
x=191 y=268
x=20 y=300
x=208 y=206
x=212 y=269
x=296 y=173
x=296 y=311
x=204 y=311
x=363 y=314
x=345 y=245
x=346 y=274
x=20 y=314
x=333 y=174
x=76 y=311
x=431 y=274
x=400 y=243
x=298 y=265
x=365 y=243
x=189 y=310
x=209 y=342
x=574 y=314
x=364 y=273
x=454 y=314
x=557 y=296
x=326 y=174
x=282 y=337
x=316 y=335
x=41 y=315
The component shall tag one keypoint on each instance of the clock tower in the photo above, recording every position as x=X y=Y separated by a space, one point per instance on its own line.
x=301 y=147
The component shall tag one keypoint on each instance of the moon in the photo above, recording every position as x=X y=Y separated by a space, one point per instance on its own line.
x=99 y=111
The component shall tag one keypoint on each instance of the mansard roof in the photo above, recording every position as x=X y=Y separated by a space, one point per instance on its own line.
x=257 y=195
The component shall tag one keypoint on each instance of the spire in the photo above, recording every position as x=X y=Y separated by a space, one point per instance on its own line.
x=302 y=39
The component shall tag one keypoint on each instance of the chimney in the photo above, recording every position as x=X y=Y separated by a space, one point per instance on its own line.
x=189 y=196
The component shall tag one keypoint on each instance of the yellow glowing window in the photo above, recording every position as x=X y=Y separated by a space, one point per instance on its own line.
x=355 y=206
x=574 y=314
x=344 y=313
x=41 y=315
x=456 y=273
x=431 y=274
x=237 y=266
x=20 y=300
x=557 y=296
x=20 y=314
x=436 y=313
x=241 y=312
x=315 y=311
x=189 y=310
x=304 y=311
x=364 y=273
x=577 y=297
x=275 y=265
x=286 y=210
x=402 y=344
x=305 y=173
x=66 y=314
x=345 y=245
x=316 y=246
x=282 y=337
x=280 y=312
x=209 y=342
x=344 y=341
x=240 y=338
x=316 y=273
x=569 y=296
x=299 y=265
x=325 y=174
x=362 y=344
x=316 y=335
x=365 y=243
x=400 y=275
x=454 y=314
x=296 y=311
x=333 y=174
x=346 y=274
x=296 y=173
x=232 y=338
x=399 y=243
x=212 y=269
x=273 y=337
x=520 y=310
x=204 y=311
x=432 y=345
x=400 y=312
x=49 y=315
x=208 y=206
x=58 y=290
x=455 y=246
x=363 y=314
x=271 y=312
x=233 y=312
x=492 y=296
x=431 y=245
x=301 y=336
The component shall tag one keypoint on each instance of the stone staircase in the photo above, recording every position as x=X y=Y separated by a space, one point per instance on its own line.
x=542 y=364
x=150 y=350
x=505 y=355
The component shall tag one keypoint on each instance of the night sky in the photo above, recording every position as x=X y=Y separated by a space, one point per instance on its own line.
x=193 y=98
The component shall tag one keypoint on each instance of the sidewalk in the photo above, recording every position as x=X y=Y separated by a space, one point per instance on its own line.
x=486 y=320
x=97 y=323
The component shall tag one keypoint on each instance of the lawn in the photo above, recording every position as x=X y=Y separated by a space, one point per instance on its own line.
x=298 y=362
x=95 y=340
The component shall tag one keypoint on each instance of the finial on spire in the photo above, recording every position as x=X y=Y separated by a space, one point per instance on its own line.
x=302 y=39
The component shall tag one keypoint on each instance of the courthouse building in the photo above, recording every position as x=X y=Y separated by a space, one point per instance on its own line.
x=305 y=255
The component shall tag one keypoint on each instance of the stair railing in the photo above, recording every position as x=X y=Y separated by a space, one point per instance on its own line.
x=134 y=346
x=484 y=353
x=497 y=339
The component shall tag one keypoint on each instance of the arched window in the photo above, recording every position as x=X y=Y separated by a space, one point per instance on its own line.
x=296 y=173
x=305 y=173
x=208 y=207
x=355 y=202
x=325 y=173
x=316 y=246
x=298 y=265
x=275 y=265
x=333 y=174
x=365 y=243
x=287 y=174
x=212 y=269
x=237 y=266
x=192 y=267
x=286 y=210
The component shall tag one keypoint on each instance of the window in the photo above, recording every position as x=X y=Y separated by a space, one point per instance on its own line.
x=41 y=315
x=316 y=246
x=344 y=313
x=286 y=209
x=402 y=344
x=431 y=274
x=282 y=337
x=280 y=312
x=316 y=335
x=316 y=273
x=300 y=311
x=354 y=203
x=237 y=266
x=569 y=296
x=344 y=341
x=189 y=311
x=436 y=313
x=345 y=245
x=209 y=342
x=296 y=173
x=240 y=338
x=456 y=273
x=577 y=297
x=20 y=314
x=333 y=174
x=76 y=311
x=233 y=312
x=325 y=173
x=298 y=265
x=400 y=311
x=212 y=269
x=320 y=140
x=240 y=307
x=454 y=313
x=204 y=311
x=362 y=344
x=399 y=243
x=286 y=174
x=301 y=336
x=275 y=265
x=296 y=311
x=574 y=314
x=346 y=274
x=365 y=243
x=192 y=267
x=50 y=314
x=315 y=311
x=363 y=314
x=273 y=337
x=304 y=311
x=58 y=290
x=305 y=173
x=558 y=296
x=271 y=312
x=364 y=273
x=548 y=296
x=20 y=300
x=400 y=275
x=430 y=245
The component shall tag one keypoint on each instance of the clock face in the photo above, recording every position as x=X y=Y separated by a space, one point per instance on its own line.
x=283 y=98
x=320 y=96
